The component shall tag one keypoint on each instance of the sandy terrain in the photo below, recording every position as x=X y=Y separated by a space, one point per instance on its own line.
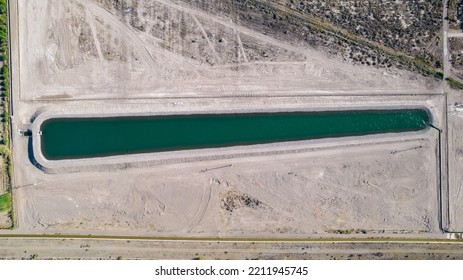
x=83 y=51
x=88 y=60
x=455 y=123
x=4 y=220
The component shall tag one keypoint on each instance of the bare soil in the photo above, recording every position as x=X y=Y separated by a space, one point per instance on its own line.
x=92 y=57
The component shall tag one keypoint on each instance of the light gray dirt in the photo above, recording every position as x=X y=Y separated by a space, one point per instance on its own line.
x=83 y=51
x=89 y=60
x=29 y=248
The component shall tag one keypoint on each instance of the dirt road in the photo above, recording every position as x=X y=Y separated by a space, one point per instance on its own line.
x=63 y=248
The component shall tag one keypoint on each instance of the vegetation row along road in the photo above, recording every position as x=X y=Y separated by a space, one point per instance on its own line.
x=5 y=198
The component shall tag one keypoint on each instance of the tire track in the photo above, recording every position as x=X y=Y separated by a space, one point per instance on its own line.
x=126 y=32
x=91 y=23
x=204 y=204
x=211 y=46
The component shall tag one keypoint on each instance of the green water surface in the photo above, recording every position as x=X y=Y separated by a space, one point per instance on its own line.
x=70 y=138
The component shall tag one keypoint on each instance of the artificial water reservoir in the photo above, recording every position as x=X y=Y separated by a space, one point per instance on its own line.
x=72 y=138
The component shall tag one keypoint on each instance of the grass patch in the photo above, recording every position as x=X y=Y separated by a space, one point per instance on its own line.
x=454 y=83
x=4 y=151
x=5 y=202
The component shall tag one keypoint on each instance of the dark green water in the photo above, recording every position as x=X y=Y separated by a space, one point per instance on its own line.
x=67 y=138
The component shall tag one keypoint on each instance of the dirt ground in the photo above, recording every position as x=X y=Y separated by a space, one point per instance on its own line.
x=455 y=122
x=456 y=52
x=89 y=60
x=83 y=51
x=33 y=248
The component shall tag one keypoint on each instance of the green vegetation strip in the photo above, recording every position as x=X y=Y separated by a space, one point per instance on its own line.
x=5 y=202
x=4 y=72
x=6 y=198
x=454 y=83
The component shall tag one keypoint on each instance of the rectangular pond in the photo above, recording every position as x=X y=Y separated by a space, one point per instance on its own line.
x=72 y=138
